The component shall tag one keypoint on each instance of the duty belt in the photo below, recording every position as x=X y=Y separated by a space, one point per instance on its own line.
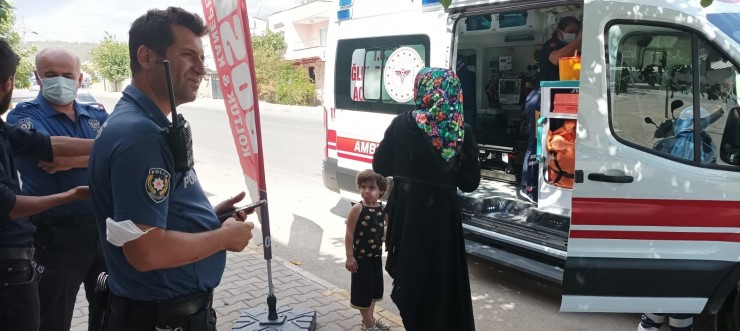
x=157 y=312
x=16 y=253
x=64 y=221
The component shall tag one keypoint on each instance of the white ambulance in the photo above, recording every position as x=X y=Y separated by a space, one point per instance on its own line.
x=652 y=222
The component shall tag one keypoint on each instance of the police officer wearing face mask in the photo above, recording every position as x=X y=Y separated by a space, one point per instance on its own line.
x=565 y=40
x=67 y=248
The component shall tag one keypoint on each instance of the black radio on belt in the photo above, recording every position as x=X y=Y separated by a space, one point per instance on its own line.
x=178 y=134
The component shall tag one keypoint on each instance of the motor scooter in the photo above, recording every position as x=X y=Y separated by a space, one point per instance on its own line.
x=675 y=135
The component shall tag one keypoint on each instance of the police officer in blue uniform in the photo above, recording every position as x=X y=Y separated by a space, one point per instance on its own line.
x=163 y=243
x=67 y=248
x=19 y=310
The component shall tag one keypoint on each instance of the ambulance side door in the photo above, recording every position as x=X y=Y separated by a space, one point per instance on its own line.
x=654 y=221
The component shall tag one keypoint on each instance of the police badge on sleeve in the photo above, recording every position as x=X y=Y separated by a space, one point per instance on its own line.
x=25 y=124
x=94 y=124
x=158 y=184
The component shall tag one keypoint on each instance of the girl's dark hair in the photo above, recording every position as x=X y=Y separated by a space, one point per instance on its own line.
x=154 y=30
x=564 y=22
x=371 y=176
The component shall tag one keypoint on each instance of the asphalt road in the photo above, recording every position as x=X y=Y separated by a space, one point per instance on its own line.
x=307 y=220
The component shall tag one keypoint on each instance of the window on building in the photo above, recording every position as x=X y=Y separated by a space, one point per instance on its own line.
x=322 y=37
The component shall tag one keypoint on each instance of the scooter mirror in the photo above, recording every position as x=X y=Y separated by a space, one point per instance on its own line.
x=649 y=120
x=675 y=105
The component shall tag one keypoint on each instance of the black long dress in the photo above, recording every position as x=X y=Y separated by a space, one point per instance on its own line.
x=426 y=251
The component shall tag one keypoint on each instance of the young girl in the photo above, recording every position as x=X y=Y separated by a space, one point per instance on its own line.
x=363 y=241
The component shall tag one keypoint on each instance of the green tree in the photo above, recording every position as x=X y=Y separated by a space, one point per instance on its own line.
x=90 y=70
x=5 y=9
x=270 y=41
x=278 y=80
x=111 y=59
x=15 y=40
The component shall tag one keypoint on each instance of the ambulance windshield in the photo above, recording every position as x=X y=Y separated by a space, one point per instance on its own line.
x=729 y=23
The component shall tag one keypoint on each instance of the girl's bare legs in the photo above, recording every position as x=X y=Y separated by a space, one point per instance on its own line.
x=367 y=315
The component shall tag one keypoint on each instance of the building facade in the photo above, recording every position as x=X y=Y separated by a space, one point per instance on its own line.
x=211 y=87
x=304 y=28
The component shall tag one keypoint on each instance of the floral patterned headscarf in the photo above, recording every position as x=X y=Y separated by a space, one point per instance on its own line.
x=439 y=111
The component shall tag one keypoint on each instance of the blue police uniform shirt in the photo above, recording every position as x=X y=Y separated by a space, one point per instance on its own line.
x=133 y=177
x=15 y=141
x=38 y=115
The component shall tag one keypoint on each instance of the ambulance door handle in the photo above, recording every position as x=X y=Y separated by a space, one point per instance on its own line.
x=621 y=179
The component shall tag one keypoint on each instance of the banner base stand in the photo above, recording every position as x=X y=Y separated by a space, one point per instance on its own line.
x=289 y=319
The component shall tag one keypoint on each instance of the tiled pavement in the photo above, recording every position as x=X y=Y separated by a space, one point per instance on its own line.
x=244 y=285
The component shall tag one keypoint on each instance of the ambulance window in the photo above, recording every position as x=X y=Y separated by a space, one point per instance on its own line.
x=650 y=85
x=652 y=73
x=357 y=72
x=386 y=54
x=719 y=99
x=478 y=22
x=373 y=74
x=360 y=72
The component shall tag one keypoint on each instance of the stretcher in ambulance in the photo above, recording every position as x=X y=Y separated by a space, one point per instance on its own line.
x=646 y=219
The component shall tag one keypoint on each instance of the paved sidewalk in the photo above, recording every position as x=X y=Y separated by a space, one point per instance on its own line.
x=244 y=285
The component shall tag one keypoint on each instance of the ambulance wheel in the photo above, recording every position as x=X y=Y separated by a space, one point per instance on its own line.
x=728 y=316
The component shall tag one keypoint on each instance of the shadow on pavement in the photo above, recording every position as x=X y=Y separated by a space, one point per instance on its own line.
x=342 y=207
x=305 y=236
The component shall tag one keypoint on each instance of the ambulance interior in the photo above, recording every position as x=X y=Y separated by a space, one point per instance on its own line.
x=650 y=79
x=501 y=49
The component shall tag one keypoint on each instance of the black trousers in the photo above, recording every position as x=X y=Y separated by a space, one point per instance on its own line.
x=68 y=255
x=192 y=312
x=19 y=296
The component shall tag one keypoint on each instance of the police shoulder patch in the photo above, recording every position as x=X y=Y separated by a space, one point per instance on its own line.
x=25 y=124
x=158 y=184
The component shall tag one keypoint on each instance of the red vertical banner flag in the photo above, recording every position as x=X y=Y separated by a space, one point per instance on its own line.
x=231 y=43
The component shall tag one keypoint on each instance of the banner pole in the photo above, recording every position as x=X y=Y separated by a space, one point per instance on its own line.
x=231 y=43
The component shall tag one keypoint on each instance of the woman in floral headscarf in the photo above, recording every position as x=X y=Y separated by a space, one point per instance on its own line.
x=429 y=154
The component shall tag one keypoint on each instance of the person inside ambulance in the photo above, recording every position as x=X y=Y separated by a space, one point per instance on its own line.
x=565 y=40
x=467 y=81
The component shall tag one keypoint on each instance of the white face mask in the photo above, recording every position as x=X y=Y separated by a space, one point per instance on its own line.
x=568 y=37
x=119 y=233
x=59 y=90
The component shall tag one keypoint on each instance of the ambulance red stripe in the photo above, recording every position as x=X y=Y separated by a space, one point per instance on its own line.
x=355 y=157
x=654 y=212
x=654 y=235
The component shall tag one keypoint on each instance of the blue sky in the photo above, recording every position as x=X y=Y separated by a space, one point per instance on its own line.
x=87 y=20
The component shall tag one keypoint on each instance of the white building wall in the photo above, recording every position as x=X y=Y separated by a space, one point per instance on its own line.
x=301 y=28
x=257 y=27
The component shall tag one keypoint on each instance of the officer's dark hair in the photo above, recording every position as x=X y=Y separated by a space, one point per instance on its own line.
x=154 y=31
x=8 y=60
x=372 y=176
x=563 y=23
